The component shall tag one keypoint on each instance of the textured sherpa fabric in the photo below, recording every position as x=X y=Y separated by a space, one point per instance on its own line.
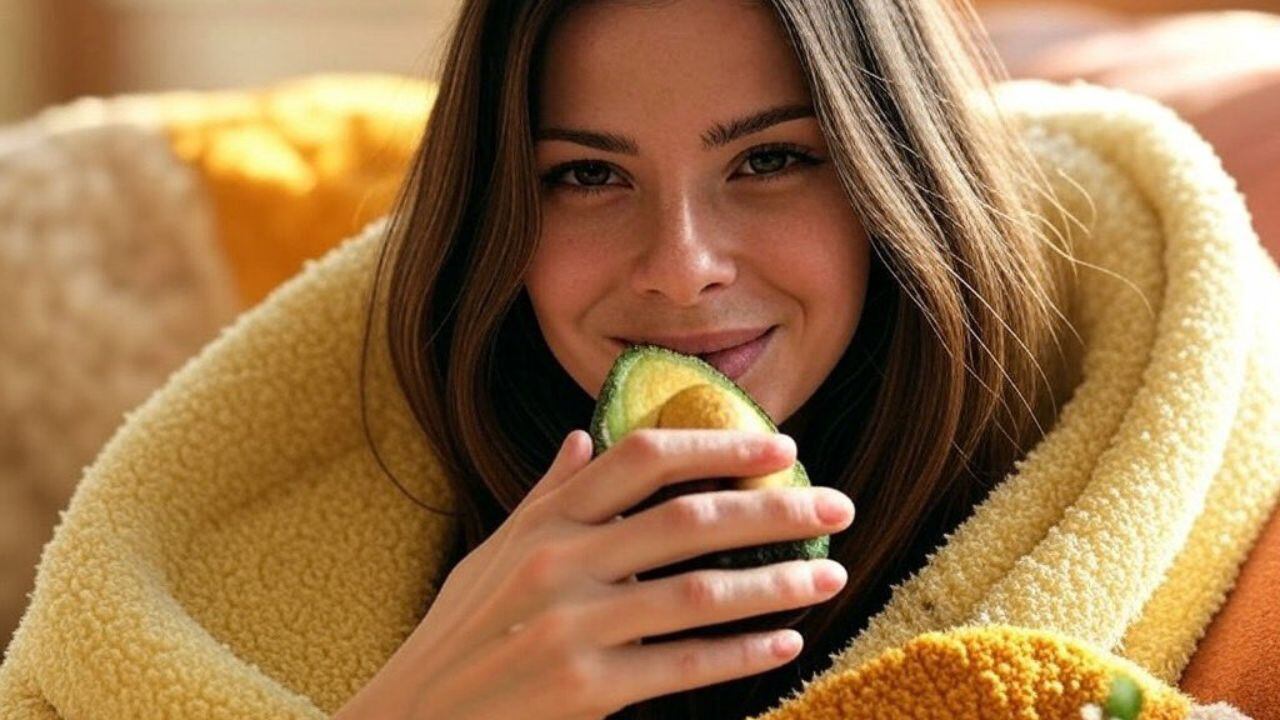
x=110 y=279
x=235 y=552
x=291 y=168
x=1174 y=419
x=995 y=671
x=132 y=228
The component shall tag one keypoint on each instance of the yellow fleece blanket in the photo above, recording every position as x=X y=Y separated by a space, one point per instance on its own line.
x=235 y=552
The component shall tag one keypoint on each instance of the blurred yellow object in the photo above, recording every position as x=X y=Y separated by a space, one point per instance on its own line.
x=293 y=169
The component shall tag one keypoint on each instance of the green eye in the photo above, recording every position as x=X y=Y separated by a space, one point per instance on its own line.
x=779 y=161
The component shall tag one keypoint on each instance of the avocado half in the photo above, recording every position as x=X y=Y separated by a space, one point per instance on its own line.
x=652 y=386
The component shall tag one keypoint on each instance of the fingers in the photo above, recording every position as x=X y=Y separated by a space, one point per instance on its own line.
x=575 y=452
x=649 y=459
x=709 y=597
x=691 y=525
x=668 y=667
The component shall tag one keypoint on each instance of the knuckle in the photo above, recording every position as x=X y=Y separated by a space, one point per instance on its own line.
x=745 y=451
x=792 y=584
x=643 y=445
x=689 y=663
x=787 y=507
x=702 y=591
x=692 y=512
x=576 y=678
x=542 y=568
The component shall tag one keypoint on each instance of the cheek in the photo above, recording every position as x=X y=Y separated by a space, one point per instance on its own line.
x=572 y=270
x=820 y=258
x=566 y=279
x=834 y=274
x=576 y=260
x=558 y=278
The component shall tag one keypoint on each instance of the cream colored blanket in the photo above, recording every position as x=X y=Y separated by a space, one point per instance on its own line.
x=234 y=552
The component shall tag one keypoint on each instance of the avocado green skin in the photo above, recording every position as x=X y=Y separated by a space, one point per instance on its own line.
x=755 y=556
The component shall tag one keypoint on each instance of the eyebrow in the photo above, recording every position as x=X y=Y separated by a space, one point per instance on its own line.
x=716 y=136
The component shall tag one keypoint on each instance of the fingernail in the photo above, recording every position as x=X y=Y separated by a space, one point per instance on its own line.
x=833 y=509
x=784 y=443
x=785 y=644
x=830 y=576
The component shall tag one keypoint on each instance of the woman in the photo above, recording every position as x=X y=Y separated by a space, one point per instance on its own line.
x=595 y=174
x=598 y=173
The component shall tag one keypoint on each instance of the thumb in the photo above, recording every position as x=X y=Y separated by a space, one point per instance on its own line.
x=574 y=453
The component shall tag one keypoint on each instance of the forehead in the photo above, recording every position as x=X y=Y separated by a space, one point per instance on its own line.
x=621 y=62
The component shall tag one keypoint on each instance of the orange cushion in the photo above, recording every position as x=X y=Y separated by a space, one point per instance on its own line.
x=294 y=168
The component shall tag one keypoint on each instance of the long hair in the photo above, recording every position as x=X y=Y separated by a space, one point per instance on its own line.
x=948 y=380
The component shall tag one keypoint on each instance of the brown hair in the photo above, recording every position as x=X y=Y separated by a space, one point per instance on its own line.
x=951 y=373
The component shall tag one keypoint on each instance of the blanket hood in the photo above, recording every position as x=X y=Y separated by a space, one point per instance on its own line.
x=236 y=551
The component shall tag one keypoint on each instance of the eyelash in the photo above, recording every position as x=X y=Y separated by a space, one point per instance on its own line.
x=803 y=159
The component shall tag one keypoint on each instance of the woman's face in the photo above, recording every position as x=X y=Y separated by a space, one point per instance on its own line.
x=674 y=218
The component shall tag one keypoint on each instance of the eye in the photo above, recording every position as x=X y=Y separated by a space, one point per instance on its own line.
x=588 y=173
x=766 y=162
x=770 y=162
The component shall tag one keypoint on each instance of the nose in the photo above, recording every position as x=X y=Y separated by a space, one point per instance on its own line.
x=686 y=254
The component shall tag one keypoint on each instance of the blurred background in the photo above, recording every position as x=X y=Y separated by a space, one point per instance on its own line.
x=55 y=50
x=134 y=227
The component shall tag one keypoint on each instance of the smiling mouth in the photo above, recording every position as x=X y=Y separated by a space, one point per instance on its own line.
x=734 y=360
x=701 y=345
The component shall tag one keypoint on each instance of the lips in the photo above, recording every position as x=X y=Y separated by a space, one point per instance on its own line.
x=700 y=344
x=731 y=352
x=735 y=361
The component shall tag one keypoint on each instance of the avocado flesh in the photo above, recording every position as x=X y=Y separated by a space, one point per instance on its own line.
x=708 y=406
x=651 y=386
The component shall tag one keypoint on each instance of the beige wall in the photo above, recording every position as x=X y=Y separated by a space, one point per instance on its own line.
x=56 y=50
x=21 y=86
x=1157 y=6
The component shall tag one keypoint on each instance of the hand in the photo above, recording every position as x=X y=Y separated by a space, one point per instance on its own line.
x=545 y=618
